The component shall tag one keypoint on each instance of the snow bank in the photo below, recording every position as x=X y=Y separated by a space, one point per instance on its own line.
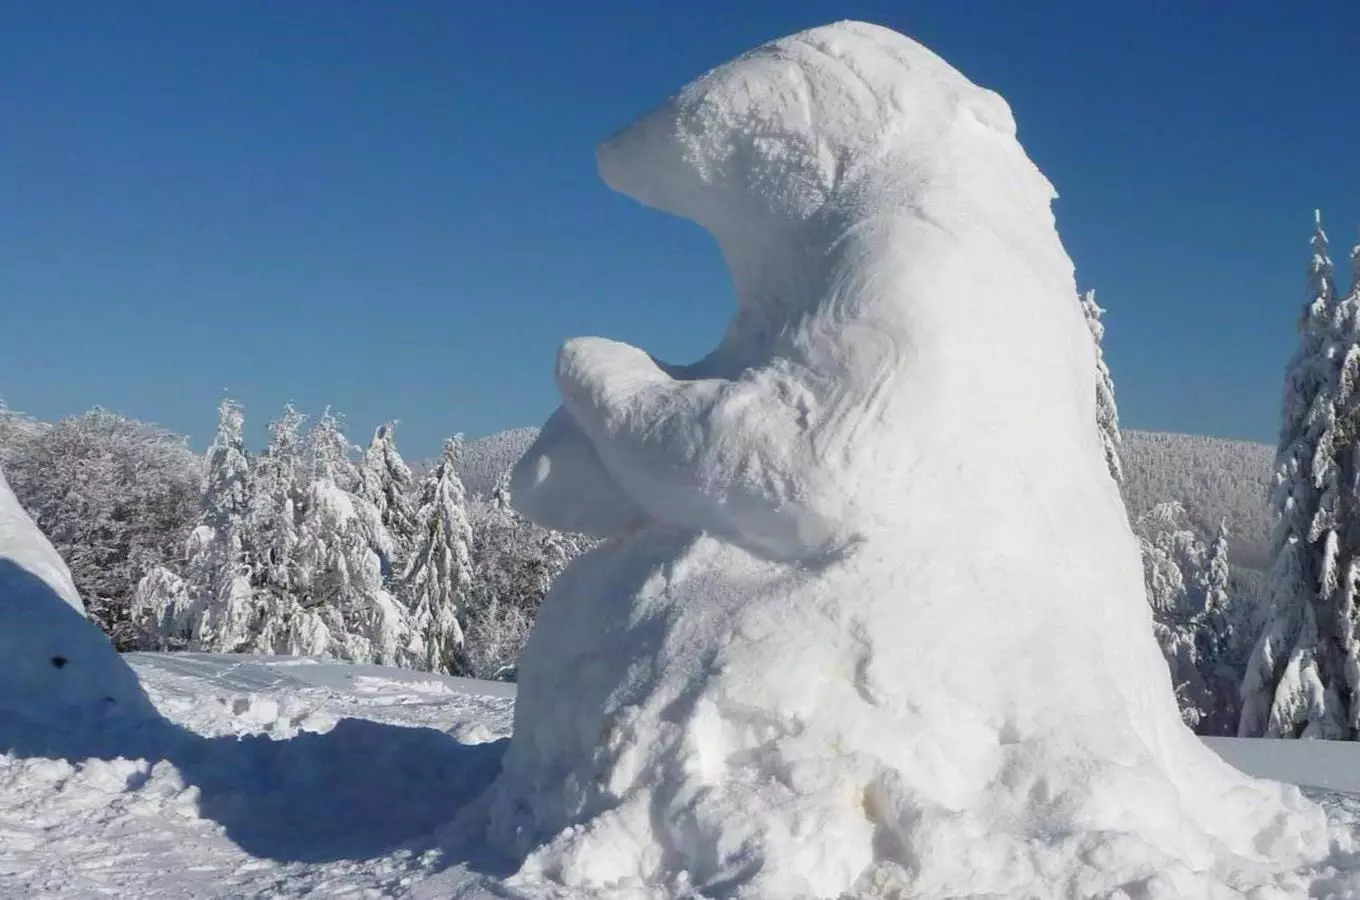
x=28 y=548
x=53 y=661
x=871 y=619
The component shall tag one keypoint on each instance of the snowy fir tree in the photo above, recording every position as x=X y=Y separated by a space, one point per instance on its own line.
x=1107 y=414
x=216 y=567
x=1297 y=683
x=385 y=481
x=276 y=503
x=1198 y=623
x=330 y=455
x=441 y=566
x=345 y=608
x=161 y=611
x=1172 y=558
x=1220 y=627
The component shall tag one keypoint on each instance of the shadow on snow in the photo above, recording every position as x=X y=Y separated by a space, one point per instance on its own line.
x=359 y=791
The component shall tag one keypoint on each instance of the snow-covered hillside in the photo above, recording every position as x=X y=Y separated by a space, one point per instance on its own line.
x=486 y=459
x=1213 y=478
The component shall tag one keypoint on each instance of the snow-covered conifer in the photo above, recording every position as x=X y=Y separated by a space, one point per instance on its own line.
x=440 y=571
x=346 y=607
x=161 y=611
x=1296 y=682
x=1172 y=559
x=331 y=455
x=276 y=499
x=1222 y=632
x=385 y=481
x=217 y=570
x=1107 y=414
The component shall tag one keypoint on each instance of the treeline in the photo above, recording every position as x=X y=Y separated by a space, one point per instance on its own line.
x=310 y=546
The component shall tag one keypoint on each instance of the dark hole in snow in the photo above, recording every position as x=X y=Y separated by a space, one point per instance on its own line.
x=59 y=661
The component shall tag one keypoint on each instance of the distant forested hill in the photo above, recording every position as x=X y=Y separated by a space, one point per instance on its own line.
x=1212 y=478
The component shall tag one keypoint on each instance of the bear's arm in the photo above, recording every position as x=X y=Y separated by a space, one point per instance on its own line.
x=561 y=484
x=729 y=457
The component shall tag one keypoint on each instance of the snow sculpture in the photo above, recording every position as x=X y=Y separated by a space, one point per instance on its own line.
x=871 y=617
x=54 y=663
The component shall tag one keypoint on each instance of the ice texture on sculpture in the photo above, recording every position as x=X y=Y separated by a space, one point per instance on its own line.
x=870 y=617
x=55 y=665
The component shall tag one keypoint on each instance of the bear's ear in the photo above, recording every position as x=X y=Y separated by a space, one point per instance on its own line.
x=60 y=661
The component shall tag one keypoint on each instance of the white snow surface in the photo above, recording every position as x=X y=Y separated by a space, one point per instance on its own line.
x=54 y=663
x=268 y=776
x=870 y=621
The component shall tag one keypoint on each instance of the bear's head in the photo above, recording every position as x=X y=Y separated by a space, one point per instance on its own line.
x=784 y=149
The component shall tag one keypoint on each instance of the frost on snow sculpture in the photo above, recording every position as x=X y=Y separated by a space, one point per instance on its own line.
x=54 y=663
x=871 y=618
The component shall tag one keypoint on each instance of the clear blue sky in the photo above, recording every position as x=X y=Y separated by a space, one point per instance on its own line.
x=393 y=208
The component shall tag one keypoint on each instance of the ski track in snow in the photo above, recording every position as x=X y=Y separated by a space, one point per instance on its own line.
x=279 y=777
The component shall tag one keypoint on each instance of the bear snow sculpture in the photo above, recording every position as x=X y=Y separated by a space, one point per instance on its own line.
x=869 y=617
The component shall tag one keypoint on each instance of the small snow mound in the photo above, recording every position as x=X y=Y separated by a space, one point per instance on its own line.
x=54 y=662
x=870 y=620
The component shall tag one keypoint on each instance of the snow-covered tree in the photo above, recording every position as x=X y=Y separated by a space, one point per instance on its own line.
x=345 y=609
x=330 y=454
x=440 y=570
x=1198 y=624
x=217 y=570
x=515 y=562
x=1221 y=627
x=1222 y=630
x=276 y=499
x=385 y=481
x=115 y=496
x=1172 y=559
x=162 y=611
x=1296 y=683
x=1107 y=414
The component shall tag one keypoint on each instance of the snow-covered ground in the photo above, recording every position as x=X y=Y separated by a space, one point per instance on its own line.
x=293 y=777
x=271 y=777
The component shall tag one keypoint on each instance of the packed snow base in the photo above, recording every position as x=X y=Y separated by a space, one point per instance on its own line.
x=832 y=645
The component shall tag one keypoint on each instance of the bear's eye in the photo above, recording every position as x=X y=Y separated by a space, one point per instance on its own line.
x=59 y=661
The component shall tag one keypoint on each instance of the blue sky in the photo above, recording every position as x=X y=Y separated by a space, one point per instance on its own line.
x=392 y=207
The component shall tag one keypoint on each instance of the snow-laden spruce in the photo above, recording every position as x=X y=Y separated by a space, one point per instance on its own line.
x=276 y=503
x=441 y=567
x=346 y=610
x=1194 y=617
x=218 y=575
x=1107 y=413
x=1302 y=678
x=385 y=481
x=870 y=618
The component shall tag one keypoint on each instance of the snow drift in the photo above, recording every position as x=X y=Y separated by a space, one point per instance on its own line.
x=870 y=618
x=53 y=662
